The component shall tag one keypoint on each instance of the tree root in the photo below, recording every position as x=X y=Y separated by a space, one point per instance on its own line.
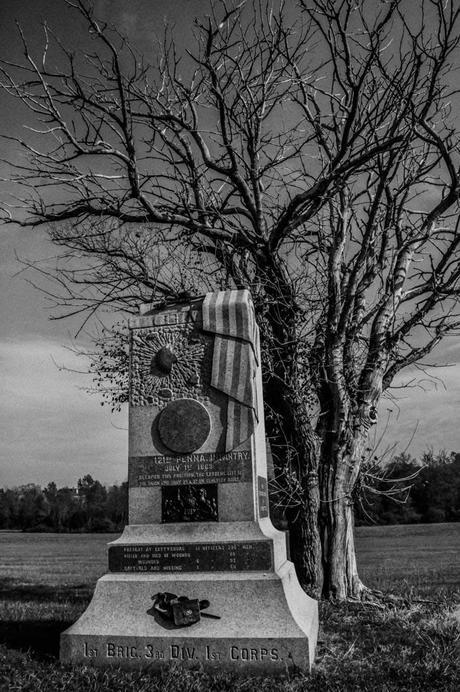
x=374 y=598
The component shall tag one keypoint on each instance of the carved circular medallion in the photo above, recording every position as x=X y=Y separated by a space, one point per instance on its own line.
x=184 y=425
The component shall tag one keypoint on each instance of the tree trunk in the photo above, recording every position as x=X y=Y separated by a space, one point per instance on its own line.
x=315 y=468
x=341 y=455
x=340 y=573
x=322 y=537
x=296 y=454
x=305 y=547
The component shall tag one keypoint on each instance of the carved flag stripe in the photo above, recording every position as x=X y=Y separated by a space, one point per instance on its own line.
x=229 y=314
x=225 y=313
x=240 y=426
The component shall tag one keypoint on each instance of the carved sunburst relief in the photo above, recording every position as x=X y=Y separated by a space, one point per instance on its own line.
x=167 y=364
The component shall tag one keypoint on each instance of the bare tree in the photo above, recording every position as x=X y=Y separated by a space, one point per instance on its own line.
x=307 y=153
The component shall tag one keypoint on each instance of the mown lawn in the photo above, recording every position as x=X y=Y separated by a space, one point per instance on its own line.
x=410 y=640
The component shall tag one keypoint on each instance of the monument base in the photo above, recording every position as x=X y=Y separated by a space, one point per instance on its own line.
x=266 y=623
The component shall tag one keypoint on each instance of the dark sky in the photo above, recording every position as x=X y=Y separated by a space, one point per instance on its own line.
x=51 y=429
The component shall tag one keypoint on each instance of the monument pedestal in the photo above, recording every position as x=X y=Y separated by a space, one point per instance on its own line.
x=200 y=577
x=266 y=622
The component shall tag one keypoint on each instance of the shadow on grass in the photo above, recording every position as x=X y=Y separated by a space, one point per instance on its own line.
x=37 y=636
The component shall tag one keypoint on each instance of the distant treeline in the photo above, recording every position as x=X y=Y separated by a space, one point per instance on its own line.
x=408 y=491
x=88 y=507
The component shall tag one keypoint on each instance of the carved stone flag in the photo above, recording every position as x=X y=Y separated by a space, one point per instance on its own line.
x=230 y=316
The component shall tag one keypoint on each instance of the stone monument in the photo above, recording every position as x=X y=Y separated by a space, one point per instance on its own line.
x=200 y=575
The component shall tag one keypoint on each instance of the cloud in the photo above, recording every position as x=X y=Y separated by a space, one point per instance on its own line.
x=426 y=414
x=142 y=20
x=52 y=429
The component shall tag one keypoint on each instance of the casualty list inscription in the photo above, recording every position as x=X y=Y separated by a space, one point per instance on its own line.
x=192 y=557
x=208 y=467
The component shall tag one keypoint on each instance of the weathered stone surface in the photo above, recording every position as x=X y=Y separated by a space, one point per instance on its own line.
x=234 y=500
x=255 y=633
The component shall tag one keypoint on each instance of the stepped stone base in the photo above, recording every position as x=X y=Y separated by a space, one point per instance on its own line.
x=267 y=623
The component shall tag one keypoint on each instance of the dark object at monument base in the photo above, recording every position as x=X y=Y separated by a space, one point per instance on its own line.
x=179 y=610
x=186 y=612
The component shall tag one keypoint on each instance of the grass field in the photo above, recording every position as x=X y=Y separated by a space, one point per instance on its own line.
x=409 y=641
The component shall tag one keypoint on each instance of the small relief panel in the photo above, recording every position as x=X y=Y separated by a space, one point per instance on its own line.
x=189 y=503
x=167 y=363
